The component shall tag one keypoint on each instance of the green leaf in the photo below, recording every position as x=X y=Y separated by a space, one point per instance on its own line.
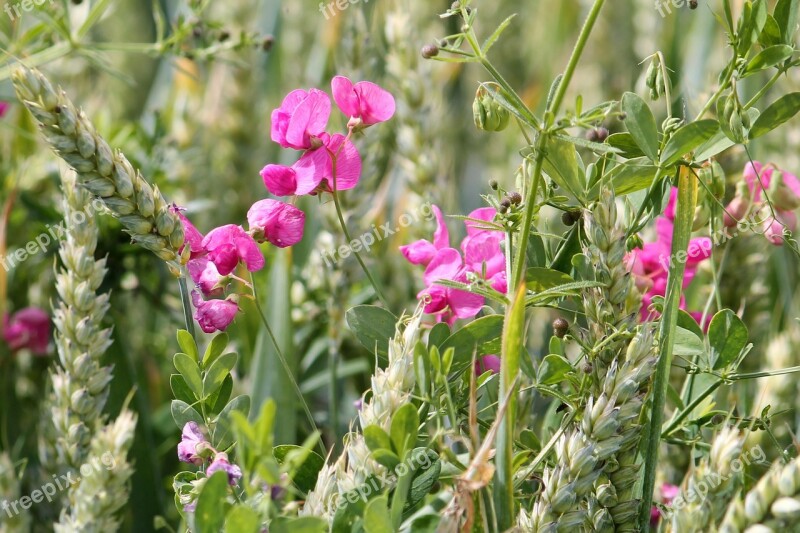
x=630 y=176
x=687 y=321
x=305 y=475
x=561 y=164
x=215 y=348
x=376 y=516
x=303 y=524
x=553 y=369
x=786 y=12
x=404 y=429
x=180 y=390
x=387 y=458
x=439 y=333
x=376 y=438
x=687 y=139
x=718 y=143
x=593 y=146
x=776 y=114
x=481 y=335
x=220 y=369
x=216 y=402
x=771 y=34
x=425 y=477
x=496 y=34
x=212 y=504
x=623 y=141
x=190 y=372
x=641 y=124
x=187 y=344
x=727 y=336
x=540 y=279
x=373 y=327
x=223 y=432
x=767 y=58
x=182 y=413
x=687 y=344
x=242 y=519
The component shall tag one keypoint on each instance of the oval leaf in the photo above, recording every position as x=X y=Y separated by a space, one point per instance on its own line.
x=776 y=114
x=687 y=139
x=727 y=336
x=641 y=124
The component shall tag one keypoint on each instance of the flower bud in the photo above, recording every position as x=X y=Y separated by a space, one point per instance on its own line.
x=429 y=50
x=487 y=113
x=735 y=211
x=560 y=327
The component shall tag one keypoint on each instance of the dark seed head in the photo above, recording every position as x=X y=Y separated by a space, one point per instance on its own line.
x=506 y=203
x=429 y=50
x=600 y=134
x=692 y=4
x=224 y=35
x=560 y=327
x=566 y=218
x=515 y=198
x=493 y=184
x=587 y=368
x=717 y=419
x=267 y=42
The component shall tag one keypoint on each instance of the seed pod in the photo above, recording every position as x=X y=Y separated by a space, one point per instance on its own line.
x=487 y=113
x=736 y=126
x=429 y=50
x=652 y=72
x=560 y=327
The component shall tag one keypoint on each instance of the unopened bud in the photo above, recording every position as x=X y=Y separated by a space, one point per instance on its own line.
x=429 y=50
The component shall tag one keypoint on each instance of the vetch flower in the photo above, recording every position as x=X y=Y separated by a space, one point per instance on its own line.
x=193 y=238
x=214 y=315
x=220 y=463
x=27 y=328
x=206 y=276
x=365 y=103
x=301 y=119
x=229 y=244
x=192 y=444
x=422 y=251
x=774 y=227
x=277 y=222
x=314 y=167
x=446 y=302
x=487 y=363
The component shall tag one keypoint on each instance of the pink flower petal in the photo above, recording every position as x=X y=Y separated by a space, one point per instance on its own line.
x=446 y=264
x=484 y=213
x=441 y=237
x=669 y=211
x=752 y=173
x=487 y=363
x=28 y=328
x=205 y=275
x=464 y=304
x=377 y=104
x=281 y=224
x=344 y=96
x=308 y=120
x=4 y=107
x=213 y=315
x=348 y=163
x=419 y=253
x=279 y=180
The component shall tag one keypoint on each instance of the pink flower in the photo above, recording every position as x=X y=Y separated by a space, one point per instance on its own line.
x=28 y=328
x=774 y=226
x=365 y=102
x=482 y=252
x=189 y=448
x=668 y=493
x=301 y=119
x=450 y=304
x=206 y=276
x=214 y=315
x=487 y=363
x=220 y=463
x=193 y=238
x=422 y=252
x=4 y=106
x=229 y=244
x=759 y=177
x=277 y=222
x=735 y=211
x=316 y=166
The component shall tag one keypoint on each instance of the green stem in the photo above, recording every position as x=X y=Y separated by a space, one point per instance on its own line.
x=687 y=198
x=187 y=306
x=285 y=364
x=333 y=401
x=689 y=408
x=400 y=495
x=40 y=58
x=761 y=92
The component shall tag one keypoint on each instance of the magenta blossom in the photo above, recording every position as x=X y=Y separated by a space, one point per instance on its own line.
x=365 y=102
x=277 y=222
x=193 y=238
x=759 y=177
x=206 y=276
x=487 y=363
x=301 y=119
x=314 y=167
x=220 y=463
x=192 y=444
x=668 y=493
x=774 y=227
x=229 y=244
x=214 y=315
x=4 y=106
x=28 y=328
x=422 y=252
x=446 y=302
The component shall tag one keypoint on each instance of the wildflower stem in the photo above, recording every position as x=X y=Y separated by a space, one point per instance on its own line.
x=285 y=364
x=339 y=214
x=187 y=306
x=687 y=199
x=689 y=408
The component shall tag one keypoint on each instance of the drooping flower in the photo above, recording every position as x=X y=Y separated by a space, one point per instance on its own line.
x=783 y=189
x=365 y=103
x=28 y=328
x=774 y=227
x=214 y=315
x=221 y=463
x=447 y=302
x=421 y=252
x=301 y=119
x=206 y=276
x=193 y=238
x=277 y=222
x=316 y=166
x=229 y=244
x=192 y=444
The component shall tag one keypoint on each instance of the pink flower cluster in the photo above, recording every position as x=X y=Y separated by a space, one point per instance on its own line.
x=328 y=161
x=482 y=257
x=214 y=257
x=195 y=449
x=650 y=263
x=28 y=328
x=783 y=189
